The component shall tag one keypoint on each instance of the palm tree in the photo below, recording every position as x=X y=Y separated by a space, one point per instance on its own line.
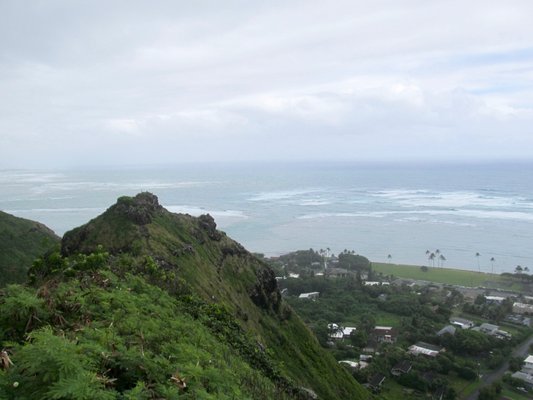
x=477 y=257
x=432 y=259
x=526 y=269
x=323 y=254
x=492 y=260
x=442 y=259
x=389 y=257
x=518 y=269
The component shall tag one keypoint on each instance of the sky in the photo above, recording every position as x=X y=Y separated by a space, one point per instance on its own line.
x=86 y=83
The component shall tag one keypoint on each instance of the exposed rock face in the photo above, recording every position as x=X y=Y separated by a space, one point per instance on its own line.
x=207 y=223
x=140 y=209
x=265 y=293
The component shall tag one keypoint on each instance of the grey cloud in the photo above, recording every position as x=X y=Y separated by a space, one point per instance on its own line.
x=263 y=79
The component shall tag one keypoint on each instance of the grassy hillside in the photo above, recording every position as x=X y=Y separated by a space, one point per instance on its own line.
x=21 y=241
x=203 y=277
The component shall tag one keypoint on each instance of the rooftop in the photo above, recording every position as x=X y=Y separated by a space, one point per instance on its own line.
x=428 y=346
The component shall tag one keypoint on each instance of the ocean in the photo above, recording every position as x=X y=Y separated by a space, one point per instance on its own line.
x=376 y=210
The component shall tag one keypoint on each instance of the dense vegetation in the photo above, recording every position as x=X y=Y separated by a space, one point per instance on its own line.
x=308 y=262
x=21 y=241
x=172 y=308
x=417 y=315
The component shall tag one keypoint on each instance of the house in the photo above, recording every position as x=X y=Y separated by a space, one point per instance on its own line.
x=493 y=330
x=347 y=331
x=376 y=381
x=338 y=332
x=523 y=308
x=461 y=323
x=528 y=365
x=338 y=273
x=489 y=329
x=518 y=319
x=425 y=349
x=527 y=379
x=384 y=334
x=351 y=364
x=447 y=329
x=494 y=299
x=403 y=367
x=309 y=296
x=500 y=334
x=335 y=331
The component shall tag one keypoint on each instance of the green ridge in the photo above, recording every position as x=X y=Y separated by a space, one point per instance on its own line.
x=176 y=270
x=21 y=241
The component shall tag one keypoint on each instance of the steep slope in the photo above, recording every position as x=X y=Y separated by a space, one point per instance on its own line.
x=192 y=256
x=21 y=241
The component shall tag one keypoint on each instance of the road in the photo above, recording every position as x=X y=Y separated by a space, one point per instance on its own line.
x=520 y=351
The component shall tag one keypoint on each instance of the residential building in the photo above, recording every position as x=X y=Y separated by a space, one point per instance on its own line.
x=376 y=381
x=527 y=379
x=338 y=273
x=425 y=349
x=338 y=332
x=500 y=334
x=523 y=308
x=351 y=364
x=518 y=319
x=489 y=329
x=528 y=365
x=494 y=299
x=461 y=323
x=384 y=334
x=309 y=296
x=447 y=329
x=403 y=367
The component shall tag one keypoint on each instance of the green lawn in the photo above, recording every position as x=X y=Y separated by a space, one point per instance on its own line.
x=443 y=275
x=513 y=394
x=387 y=319
x=393 y=391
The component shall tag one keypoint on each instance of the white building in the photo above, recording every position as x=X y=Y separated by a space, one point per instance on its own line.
x=309 y=296
x=425 y=349
x=338 y=332
x=462 y=323
x=528 y=365
x=522 y=308
x=494 y=299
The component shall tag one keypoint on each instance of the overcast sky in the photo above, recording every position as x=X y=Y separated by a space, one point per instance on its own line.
x=129 y=82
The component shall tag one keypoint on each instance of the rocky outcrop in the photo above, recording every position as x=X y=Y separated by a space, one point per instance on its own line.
x=140 y=209
x=207 y=224
x=265 y=292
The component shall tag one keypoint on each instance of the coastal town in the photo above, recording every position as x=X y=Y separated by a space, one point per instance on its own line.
x=401 y=336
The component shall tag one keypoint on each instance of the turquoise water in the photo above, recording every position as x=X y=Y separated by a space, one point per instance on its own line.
x=376 y=210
